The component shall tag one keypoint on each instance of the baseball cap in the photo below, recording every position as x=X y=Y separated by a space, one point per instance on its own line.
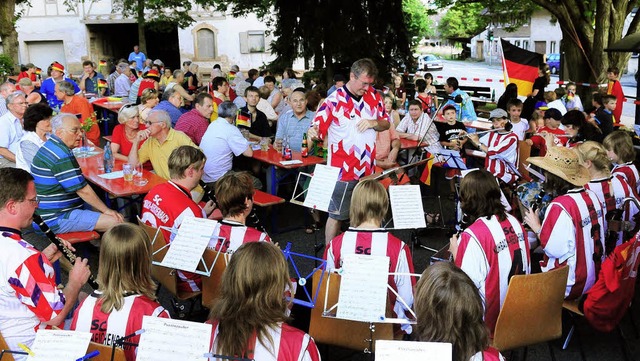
x=553 y=114
x=498 y=113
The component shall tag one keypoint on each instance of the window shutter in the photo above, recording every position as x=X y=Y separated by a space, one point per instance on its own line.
x=244 y=43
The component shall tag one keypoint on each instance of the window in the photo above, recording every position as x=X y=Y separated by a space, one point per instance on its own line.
x=525 y=44
x=205 y=44
x=552 y=46
x=252 y=42
x=517 y=43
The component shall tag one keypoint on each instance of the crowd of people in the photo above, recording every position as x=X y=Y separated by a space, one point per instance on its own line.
x=194 y=134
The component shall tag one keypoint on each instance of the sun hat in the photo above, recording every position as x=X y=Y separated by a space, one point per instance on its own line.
x=564 y=163
x=498 y=113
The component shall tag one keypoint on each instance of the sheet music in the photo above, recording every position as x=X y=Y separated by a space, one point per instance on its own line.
x=321 y=187
x=189 y=244
x=413 y=351
x=363 y=289
x=166 y=339
x=59 y=345
x=406 y=207
x=453 y=159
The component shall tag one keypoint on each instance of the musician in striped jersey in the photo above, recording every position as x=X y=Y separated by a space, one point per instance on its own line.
x=620 y=150
x=252 y=324
x=494 y=247
x=572 y=231
x=611 y=190
x=126 y=293
x=234 y=193
x=369 y=205
x=501 y=147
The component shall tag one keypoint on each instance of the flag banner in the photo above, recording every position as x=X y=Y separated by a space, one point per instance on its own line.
x=102 y=83
x=520 y=66
x=426 y=173
x=243 y=119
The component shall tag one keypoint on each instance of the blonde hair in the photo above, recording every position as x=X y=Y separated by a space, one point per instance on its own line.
x=621 y=144
x=148 y=94
x=251 y=297
x=124 y=266
x=368 y=202
x=594 y=152
x=127 y=113
x=182 y=158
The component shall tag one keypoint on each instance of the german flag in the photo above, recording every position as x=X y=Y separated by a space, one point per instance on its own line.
x=243 y=119
x=425 y=177
x=520 y=66
x=102 y=83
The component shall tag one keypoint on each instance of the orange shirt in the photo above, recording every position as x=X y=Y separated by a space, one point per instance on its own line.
x=80 y=105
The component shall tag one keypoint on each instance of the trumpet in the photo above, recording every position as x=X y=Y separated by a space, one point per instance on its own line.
x=507 y=127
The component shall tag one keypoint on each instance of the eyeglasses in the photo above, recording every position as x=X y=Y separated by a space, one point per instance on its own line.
x=20 y=103
x=364 y=84
x=34 y=200
x=148 y=123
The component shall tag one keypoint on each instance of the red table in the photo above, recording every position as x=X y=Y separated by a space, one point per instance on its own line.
x=410 y=144
x=103 y=104
x=273 y=158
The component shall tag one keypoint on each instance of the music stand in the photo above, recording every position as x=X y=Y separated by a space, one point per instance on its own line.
x=310 y=302
x=207 y=269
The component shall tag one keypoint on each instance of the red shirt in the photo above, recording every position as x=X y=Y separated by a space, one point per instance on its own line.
x=193 y=124
x=118 y=137
x=229 y=236
x=80 y=105
x=146 y=84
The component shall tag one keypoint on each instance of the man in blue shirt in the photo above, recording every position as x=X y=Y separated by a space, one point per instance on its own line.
x=89 y=83
x=137 y=56
x=48 y=88
x=293 y=123
x=463 y=105
x=171 y=103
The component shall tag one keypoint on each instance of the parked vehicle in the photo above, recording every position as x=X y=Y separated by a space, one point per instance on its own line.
x=553 y=60
x=429 y=62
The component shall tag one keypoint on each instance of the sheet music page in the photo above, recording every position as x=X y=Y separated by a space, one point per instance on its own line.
x=189 y=244
x=321 y=187
x=363 y=288
x=406 y=207
x=59 y=345
x=166 y=339
x=413 y=351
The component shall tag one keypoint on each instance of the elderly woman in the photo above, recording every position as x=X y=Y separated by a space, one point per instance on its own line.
x=80 y=106
x=178 y=79
x=37 y=126
x=125 y=132
x=167 y=77
x=275 y=96
x=191 y=81
x=33 y=96
x=148 y=100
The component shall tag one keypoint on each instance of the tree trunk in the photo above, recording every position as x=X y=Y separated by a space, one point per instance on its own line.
x=142 y=39
x=8 y=31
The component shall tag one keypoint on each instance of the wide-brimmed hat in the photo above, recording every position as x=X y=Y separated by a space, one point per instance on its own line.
x=564 y=163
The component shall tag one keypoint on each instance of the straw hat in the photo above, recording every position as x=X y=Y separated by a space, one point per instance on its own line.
x=564 y=163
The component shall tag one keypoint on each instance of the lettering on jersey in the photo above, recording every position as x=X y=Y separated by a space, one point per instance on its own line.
x=155 y=209
x=363 y=250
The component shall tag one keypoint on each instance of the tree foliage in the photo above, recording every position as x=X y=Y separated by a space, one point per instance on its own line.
x=419 y=25
x=463 y=21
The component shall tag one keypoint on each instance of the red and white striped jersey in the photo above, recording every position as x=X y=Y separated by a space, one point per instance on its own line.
x=611 y=192
x=490 y=252
x=349 y=149
x=106 y=328
x=502 y=155
x=490 y=354
x=230 y=235
x=378 y=243
x=289 y=344
x=167 y=205
x=629 y=172
x=572 y=234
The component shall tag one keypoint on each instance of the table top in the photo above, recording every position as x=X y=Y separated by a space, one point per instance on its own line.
x=273 y=157
x=478 y=124
x=116 y=187
x=410 y=144
x=106 y=104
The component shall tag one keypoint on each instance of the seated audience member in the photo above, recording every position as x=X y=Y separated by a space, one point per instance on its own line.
x=275 y=96
x=286 y=92
x=294 y=123
x=314 y=99
x=28 y=71
x=194 y=123
x=122 y=84
x=171 y=103
x=125 y=133
x=258 y=123
x=452 y=89
x=369 y=204
x=572 y=231
x=61 y=186
x=176 y=84
x=253 y=325
x=90 y=77
x=620 y=151
x=11 y=128
x=394 y=116
x=519 y=125
x=552 y=121
x=33 y=96
x=48 y=87
x=80 y=106
x=265 y=107
x=30 y=297
x=127 y=293
x=510 y=92
x=611 y=190
x=135 y=87
x=578 y=129
x=494 y=246
x=259 y=81
x=220 y=89
x=37 y=127
x=151 y=81
x=288 y=77
x=234 y=195
x=445 y=293
x=148 y=101
x=554 y=100
x=501 y=148
x=191 y=82
x=5 y=89
x=572 y=100
x=167 y=77
x=162 y=140
x=240 y=89
x=416 y=124
x=603 y=117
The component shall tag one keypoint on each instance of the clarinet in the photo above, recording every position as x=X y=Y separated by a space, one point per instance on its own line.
x=70 y=256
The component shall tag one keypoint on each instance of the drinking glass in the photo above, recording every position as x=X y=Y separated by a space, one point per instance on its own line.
x=138 y=176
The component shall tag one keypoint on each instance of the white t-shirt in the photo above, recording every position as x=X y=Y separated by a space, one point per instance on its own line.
x=520 y=128
x=220 y=143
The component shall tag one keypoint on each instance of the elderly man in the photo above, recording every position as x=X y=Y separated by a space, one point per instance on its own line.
x=61 y=185
x=463 y=104
x=89 y=82
x=49 y=86
x=11 y=128
x=137 y=56
x=29 y=295
x=194 y=123
x=349 y=120
x=122 y=84
x=171 y=103
x=293 y=124
x=80 y=106
x=162 y=140
x=5 y=89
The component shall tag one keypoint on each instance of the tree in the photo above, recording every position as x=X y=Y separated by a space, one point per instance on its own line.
x=8 y=33
x=419 y=25
x=463 y=21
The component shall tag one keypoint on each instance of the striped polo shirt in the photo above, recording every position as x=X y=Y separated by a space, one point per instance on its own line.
x=57 y=177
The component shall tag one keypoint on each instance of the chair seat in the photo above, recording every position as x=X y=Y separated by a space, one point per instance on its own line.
x=79 y=237
x=572 y=306
x=263 y=199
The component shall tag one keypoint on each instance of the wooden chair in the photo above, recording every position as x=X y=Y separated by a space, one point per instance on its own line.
x=211 y=284
x=332 y=331
x=4 y=346
x=524 y=151
x=536 y=302
x=105 y=352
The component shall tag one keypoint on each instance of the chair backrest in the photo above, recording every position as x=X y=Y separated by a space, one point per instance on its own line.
x=211 y=284
x=166 y=276
x=532 y=310
x=105 y=352
x=524 y=151
x=4 y=346
x=343 y=333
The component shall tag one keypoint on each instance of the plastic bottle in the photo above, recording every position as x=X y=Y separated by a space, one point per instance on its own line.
x=285 y=144
x=287 y=150
x=304 y=149
x=406 y=105
x=108 y=159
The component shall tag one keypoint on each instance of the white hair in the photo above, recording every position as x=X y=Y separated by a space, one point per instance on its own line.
x=58 y=121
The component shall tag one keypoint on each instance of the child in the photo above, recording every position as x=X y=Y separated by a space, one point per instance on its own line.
x=451 y=137
x=536 y=122
x=553 y=101
x=427 y=99
x=520 y=126
x=614 y=88
x=552 y=118
x=571 y=100
x=604 y=116
x=620 y=151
